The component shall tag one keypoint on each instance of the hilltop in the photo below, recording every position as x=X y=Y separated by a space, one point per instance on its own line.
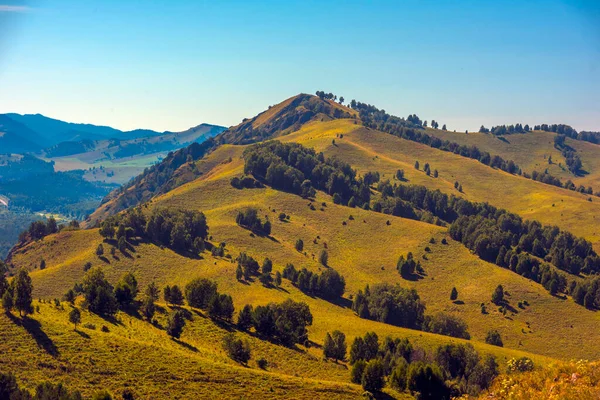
x=363 y=244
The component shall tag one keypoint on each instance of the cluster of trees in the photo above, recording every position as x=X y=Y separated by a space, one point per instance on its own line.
x=249 y=219
x=570 y=154
x=10 y=390
x=561 y=129
x=328 y=96
x=505 y=129
x=391 y=304
x=286 y=322
x=17 y=294
x=39 y=229
x=586 y=292
x=180 y=230
x=202 y=293
x=297 y=169
x=452 y=370
x=407 y=267
x=497 y=235
x=328 y=285
x=245 y=182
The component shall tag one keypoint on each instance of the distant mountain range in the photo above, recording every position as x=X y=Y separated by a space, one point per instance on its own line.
x=32 y=133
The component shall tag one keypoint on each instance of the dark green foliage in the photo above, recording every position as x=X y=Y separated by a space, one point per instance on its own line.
x=267 y=266
x=493 y=337
x=373 y=374
x=100 y=250
x=461 y=363
x=262 y=363
x=297 y=169
x=21 y=288
x=454 y=294
x=249 y=219
x=334 y=345
x=356 y=374
x=126 y=290
x=285 y=322
x=391 y=304
x=175 y=324
x=239 y=273
x=446 y=324
x=407 y=267
x=427 y=380
x=248 y=264
x=75 y=317
x=245 y=182
x=176 y=296
x=176 y=229
x=397 y=379
x=498 y=295
x=98 y=293
x=244 y=321
x=329 y=285
x=51 y=391
x=148 y=308
x=70 y=296
x=364 y=348
x=221 y=306
x=237 y=349
x=7 y=300
x=199 y=292
x=299 y=245
x=323 y=257
x=152 y=291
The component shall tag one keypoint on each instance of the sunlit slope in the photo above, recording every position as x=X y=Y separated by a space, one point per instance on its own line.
x=365 y=251
x=531 y=151
x=135 y=354
x=369 y=150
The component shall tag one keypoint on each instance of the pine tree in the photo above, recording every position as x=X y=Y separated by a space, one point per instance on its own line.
x=21 y=291
x=244 y=321
x=239 y=273
x=498 y=295
x=454 y=294
x=175 y=324
x=75 y=317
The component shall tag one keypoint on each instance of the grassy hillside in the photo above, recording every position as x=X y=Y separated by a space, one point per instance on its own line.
x=363 y=246
x=369 y=150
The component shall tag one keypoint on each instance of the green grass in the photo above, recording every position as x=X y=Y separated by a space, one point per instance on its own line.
x=364 y=251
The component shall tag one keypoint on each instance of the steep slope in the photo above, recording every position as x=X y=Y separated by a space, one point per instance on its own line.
x=16 y=137
x=281 y=119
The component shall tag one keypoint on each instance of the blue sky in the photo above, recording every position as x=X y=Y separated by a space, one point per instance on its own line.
x=169 y=65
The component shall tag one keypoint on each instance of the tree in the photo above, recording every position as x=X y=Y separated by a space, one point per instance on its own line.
x=299 y=245
x=267 y=266
x=358 y=368
x=427 y=380
x=239 y=273
x=498 y=295
x=122 y=244
x=444 y=127
x=323 y=257
x=341 y=99
x=446 y=324
x=278 y=279
x=199 y=292
x=70 y=296
x=454 y=294
x=148 y=308
x=126 y=290
x=152 y=291
x=167 y=294
x=176 y=296
x=237 y=349
x=372 y=379
x=21 y=291
x=100 y=250
x=98 y=293
x=75 y=317
x=244 y=321
x=416 y=165
x=175 y=324
x=493 y=338
x=7 y=300
x=334 y=345
x=42 y=264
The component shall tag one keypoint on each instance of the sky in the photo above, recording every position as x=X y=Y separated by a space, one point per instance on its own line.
x=170 y=65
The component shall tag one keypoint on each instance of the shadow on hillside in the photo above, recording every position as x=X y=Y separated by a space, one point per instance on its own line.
x=186 y=345
x=110 y=319
x=459 y=302
x=413 y=277
x=382 y=396
x=104 y=259
x=503 y=139
x=34 y=328
x=341 y=302
x=83 y=334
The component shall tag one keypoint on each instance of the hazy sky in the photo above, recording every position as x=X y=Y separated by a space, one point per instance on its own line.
x=169 y=65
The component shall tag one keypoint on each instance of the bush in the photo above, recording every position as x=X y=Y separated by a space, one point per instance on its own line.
x=493 y=338
x=199 y=292
x=356 y=373
x=372 y=378
x=427 y=380
x=237 y=349
x=522 y=364
x=446 y=324
x=262 y=363
x=249 y=219
x=299 y=245
x=175 y=324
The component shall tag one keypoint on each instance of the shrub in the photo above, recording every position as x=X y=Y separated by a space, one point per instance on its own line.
x=237 y=349
x=357 y=371
x=199 y=292
x=299 y=245
x=175 y=324
x=262 y=363
x=373 y=374
x=522 y=364
x=446 y=324
x=493 y=338
x=427 y=380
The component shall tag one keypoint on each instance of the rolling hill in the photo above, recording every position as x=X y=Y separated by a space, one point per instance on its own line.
x=362 y=245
